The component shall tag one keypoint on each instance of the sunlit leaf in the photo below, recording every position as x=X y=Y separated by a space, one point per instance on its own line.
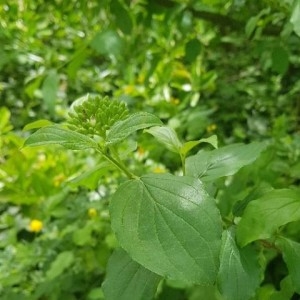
x=170 y=225
x=166 y=136
x=188 y=146
x=37 y=124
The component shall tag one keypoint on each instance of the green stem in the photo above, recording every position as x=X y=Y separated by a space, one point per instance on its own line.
x=117 y=164
x=183 y=163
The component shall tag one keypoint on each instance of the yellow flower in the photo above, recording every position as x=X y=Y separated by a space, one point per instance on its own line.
x=174 y=101
x=129 y=89
x=35 y=225
x=159 y=169
x=92 y=212
x=58 y=179
x=211 y=128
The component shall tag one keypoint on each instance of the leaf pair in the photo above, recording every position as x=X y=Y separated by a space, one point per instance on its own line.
x=57 y=134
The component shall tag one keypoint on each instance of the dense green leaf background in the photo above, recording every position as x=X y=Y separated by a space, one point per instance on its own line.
x=222 y=76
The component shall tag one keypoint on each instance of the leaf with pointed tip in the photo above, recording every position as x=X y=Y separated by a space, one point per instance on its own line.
x=170 y=225
x=37 y=124
x=166 y=136
x=188 y=146
x=58 y=135
x=263 y=216
x=239 y=273
x=122 y=129
x=126 y=279
x=210 y=165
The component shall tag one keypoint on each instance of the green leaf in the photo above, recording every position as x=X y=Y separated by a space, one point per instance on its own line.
x=286 y=290
x=170 y=225
x=108 y=43
x=188 y=146
x=77 y=60
x=37 y=124
x=291 y=255
x=240 y=206
x=295 y=17
x=4 y=120
x=210 y=165
x=166 y=136
x=123 y=20
x=192 y=50
x=83 y=236
x=96 y=294
x=239 y=273
x=49 y=90
x=122 y=129
x=90 y=178
x=62 y=261
x=126 y=279
x=58 y=135
x=280 y=60
x=263 y=216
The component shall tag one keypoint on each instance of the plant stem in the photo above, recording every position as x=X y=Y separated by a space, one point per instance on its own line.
x=117 y=164
x=183 y=163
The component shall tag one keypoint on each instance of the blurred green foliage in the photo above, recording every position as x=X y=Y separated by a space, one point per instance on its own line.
x=228 y=67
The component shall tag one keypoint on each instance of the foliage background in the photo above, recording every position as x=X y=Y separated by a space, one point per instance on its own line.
x=224 y=67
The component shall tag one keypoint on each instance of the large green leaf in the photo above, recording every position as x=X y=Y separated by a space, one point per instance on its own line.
x=122 y=129
x=169 y=225
x=166 y=136
x=263 y=216
x=58 y=135
x=126 y=279
x=210 y=165
x=291 y=256
x=239 y=273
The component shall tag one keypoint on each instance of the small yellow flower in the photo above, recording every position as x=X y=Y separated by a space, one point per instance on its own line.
x=174 y=101
x=159 y=169
x=35 y=225
x=129 y=89
x=92 y=212
x=58 y=179
x=211 y=128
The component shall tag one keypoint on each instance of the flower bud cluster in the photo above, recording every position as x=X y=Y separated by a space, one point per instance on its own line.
x=94 y=115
